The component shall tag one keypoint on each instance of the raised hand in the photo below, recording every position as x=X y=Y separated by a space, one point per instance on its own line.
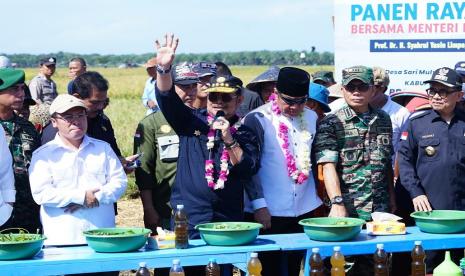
x=166 y=51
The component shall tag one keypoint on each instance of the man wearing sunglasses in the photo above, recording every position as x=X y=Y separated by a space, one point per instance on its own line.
x=22 y=139
x=432 y=151
x=286 y=129
x=236 y=150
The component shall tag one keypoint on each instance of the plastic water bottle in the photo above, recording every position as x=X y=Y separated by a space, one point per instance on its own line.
x=380 y=258
x=176 y=268
x=337 y=262
x=212 y=268
x=181 y=240
x=254 y=267
x=418 y=260
x=143 y=270
x=316 y=263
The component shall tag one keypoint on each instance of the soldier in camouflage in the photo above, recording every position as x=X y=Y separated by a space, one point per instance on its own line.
x=354 y=145
x=22 y=139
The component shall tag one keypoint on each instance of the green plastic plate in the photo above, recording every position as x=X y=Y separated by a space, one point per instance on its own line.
x=14 y=250
x=112 y=240
x=332 y=229
x=229 y=233
x=440 y=221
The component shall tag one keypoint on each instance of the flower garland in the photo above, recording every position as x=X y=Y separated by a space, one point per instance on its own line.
x=224 y=159
x=303 y=161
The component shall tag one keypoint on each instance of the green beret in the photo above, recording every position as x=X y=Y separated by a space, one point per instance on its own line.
x=10 y=77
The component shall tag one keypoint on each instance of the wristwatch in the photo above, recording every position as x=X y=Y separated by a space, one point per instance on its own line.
x=162 y=70
x=337 y=200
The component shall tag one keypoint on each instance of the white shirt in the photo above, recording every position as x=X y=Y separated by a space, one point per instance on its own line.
x=60 y=175
x=7 y=180
x=399 y=116
x=282 y=196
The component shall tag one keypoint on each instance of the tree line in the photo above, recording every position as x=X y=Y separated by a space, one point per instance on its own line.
x=286 y=57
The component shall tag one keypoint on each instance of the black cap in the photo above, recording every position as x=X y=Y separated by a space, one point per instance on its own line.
x=48 y=61
x=447 y=77
x=293 y=82
x=225 y=84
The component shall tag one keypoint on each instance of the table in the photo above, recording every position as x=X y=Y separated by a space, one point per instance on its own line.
x=366 y=244
x=83 y=259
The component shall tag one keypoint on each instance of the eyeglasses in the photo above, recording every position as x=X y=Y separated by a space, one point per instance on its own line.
x=295 y=101
x=69 y=118
x=364 y=87
x=441 y=92
x=225 y=97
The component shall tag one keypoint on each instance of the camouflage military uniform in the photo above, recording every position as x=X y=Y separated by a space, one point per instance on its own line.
x=361 y=147
x=22 y=139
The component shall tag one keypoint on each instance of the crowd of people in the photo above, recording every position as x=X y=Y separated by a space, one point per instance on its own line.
x=284 y=147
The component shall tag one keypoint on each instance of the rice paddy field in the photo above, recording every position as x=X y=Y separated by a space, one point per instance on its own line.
x=126 y=109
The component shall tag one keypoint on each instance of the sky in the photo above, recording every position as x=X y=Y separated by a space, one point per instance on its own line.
x=132 y=26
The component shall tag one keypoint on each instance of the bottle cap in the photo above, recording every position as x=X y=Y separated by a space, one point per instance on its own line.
x=212 y=260
x=337 y=248
x=380 y=246
x=176 y=261
x=180 y=206
x=253 y=255
x=417 y=242
x=142 y=264
x=315 y=250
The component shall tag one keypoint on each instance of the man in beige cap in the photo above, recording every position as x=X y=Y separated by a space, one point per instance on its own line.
x=148 y=98
x=75 y=178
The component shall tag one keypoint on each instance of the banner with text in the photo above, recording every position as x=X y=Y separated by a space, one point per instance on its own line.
x=409 y=38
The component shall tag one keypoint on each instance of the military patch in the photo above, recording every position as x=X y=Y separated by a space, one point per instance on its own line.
x=404 y=135
x=165 y=128
x=197 y=132
x=383 y=140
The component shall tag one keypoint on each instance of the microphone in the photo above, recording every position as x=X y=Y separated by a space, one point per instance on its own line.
x=220 y=113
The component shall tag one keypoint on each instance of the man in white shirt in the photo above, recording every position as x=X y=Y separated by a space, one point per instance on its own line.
x=285 y=170
x=7 y=181
x=380 y=100
x=75 y=178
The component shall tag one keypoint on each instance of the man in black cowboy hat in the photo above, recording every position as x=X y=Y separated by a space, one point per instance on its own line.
x=432 y=152
x=285 y=171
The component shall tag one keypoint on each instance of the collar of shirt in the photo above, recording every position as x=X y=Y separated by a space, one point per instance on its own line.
x=59 y=142
x=350 y=114
x=458 y=115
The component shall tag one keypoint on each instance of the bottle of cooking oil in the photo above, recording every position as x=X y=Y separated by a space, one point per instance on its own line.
x=337 y=262
x=180 y=228
x=254 y=267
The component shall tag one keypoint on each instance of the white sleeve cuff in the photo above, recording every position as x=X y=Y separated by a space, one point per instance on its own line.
x=79 y=197
x=258 y=203
x=9 y=195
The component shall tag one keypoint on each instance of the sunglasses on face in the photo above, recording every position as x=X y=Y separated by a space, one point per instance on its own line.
x=225 y=97
x=441 y=92
x=295 y=101
x=364 y=87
